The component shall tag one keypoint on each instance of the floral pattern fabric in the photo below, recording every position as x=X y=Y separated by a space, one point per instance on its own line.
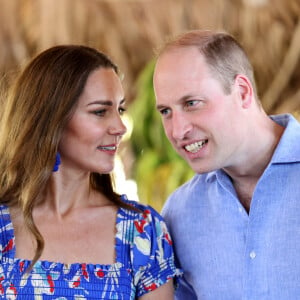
x=144 y=261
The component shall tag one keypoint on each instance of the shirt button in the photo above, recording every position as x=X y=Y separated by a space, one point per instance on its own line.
x=252 y=254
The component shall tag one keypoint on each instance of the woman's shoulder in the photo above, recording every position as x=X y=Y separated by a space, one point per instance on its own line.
x=151 y=252
x=146 y=222
x=141 y=210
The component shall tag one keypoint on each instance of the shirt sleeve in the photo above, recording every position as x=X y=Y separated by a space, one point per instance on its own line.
x=152 y=252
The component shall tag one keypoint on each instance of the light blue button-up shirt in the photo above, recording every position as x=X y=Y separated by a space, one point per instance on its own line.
x=227 y=254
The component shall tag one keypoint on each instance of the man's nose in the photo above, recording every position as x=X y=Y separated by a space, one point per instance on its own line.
x=181 y=126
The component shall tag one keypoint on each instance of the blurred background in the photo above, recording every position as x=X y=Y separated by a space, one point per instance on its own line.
x=129 y=31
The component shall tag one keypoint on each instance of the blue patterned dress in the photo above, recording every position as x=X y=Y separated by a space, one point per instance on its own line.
x=144 y=261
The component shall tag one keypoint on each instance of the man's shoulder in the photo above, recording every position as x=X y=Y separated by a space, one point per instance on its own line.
x=197 y=182
x=184 y=195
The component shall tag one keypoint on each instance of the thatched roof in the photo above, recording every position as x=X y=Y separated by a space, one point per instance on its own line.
x=130 y=30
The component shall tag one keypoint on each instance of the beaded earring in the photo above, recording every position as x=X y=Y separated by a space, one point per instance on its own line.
x=57 y=162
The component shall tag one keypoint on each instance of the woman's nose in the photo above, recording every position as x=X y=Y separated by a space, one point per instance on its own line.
x=118 y=127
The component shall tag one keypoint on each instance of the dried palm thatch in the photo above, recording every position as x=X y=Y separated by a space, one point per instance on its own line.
x=129 y=30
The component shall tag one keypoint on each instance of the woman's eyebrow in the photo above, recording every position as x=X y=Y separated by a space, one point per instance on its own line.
x=102 y=102
x=105 y=102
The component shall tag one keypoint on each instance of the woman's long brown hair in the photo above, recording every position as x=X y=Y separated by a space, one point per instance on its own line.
x=35 y=112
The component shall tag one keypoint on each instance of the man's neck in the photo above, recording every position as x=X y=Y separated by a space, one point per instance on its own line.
x=245 y=176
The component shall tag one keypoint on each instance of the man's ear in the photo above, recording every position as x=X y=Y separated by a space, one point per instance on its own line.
x=245 y=90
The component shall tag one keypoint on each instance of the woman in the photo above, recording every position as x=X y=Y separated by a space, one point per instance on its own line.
x=65 y=233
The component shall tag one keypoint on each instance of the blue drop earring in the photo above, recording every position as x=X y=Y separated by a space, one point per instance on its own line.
x=57 y=162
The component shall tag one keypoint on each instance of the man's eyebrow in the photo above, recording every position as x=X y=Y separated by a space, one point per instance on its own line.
x=159 y=107
x=182 y=99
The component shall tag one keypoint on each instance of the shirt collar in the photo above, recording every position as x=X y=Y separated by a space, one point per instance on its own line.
x=288 y=148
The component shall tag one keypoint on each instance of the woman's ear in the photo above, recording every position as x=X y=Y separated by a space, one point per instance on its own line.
x=245 y=90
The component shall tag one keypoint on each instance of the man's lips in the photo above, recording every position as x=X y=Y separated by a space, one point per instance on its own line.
x=195 y=147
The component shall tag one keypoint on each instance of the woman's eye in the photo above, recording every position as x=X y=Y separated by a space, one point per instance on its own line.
x=122 y=110
x=99 y=112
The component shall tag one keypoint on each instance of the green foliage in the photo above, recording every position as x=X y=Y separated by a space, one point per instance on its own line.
x=158 y=169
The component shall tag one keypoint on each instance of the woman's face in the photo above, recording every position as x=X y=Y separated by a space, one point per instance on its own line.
x=92 y=136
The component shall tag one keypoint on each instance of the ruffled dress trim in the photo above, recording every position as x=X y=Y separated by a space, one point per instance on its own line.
x=144 y=261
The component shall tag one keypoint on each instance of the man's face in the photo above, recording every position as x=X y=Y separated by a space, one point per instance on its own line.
x=203 y=123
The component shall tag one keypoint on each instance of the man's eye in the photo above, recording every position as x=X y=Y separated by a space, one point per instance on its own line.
x=164 y=111
x=191 y=102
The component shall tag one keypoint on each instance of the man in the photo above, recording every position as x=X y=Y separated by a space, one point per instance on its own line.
x=236 y=223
